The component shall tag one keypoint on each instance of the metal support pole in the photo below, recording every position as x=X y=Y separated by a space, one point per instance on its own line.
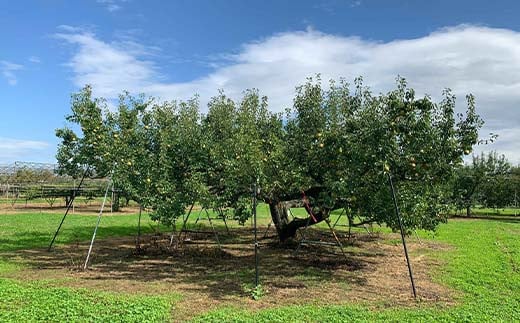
x=112 y=201
x=95 y=229
x=336 y=238
x=225 y=222
x=516 y=204
x=184 y=223
x=73 y=206
x=214 y=231
x=402 y=235
x=68 y=207
x=174 y=230
x=302 y=234
x=255 y=230
x=138 y=240
x=267 y=229
x=339 y=217
x=42 y=199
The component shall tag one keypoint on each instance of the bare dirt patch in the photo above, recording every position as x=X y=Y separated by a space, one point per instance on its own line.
x=373 y=272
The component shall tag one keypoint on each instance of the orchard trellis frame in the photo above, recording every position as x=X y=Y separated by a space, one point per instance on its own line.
x=32 y=181
x=185 y=230
x=14 y=181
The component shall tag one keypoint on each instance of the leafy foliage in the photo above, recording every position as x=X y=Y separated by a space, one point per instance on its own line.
x=488 y=181
x=334 y=147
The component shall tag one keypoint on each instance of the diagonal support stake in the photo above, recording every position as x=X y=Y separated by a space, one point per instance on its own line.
x=402 y=235
x=184 y=223
x=338 y=242
x=213 y=229
x=71 y=201
x=85 y=266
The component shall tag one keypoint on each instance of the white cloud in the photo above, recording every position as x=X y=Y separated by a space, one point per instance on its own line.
x=8 y=70
x=111 y=5
x=17 y=149
x=109 y=67
x=35 y=59
x=483 y=61
x=508 y=144
x=70 y=29
x=332 y=6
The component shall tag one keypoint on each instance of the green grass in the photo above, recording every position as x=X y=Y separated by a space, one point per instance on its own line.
x=30 y=302
x=40 y=301
x=35 y=230
x=484 y=267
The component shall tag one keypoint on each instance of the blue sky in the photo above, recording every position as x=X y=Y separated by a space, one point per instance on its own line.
x=173 y=49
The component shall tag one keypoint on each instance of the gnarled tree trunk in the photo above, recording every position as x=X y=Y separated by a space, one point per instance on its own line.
x=287 y=228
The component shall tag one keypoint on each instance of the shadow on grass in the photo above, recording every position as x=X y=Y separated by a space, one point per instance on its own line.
x=198 y=264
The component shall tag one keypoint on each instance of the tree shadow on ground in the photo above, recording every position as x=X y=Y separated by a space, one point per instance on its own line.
x=371 y=270
x=198 y=264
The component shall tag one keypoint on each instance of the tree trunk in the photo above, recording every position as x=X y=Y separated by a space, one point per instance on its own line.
x=468 y=210
x=116 y=203
x=286 y=228
x=350 y=224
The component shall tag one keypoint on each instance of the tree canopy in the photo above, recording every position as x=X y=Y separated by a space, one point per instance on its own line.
x=331 y=150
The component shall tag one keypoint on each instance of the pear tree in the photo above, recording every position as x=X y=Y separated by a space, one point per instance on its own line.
x=333 y=149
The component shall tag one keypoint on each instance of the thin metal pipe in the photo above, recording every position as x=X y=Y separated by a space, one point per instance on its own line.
x=184 y=223
x=402 y=235
x=267 y=230
x=256 y=237
x=68 y=207
x=225 y=222
x=214 y=231
x=316 y=242
x=336 y=238
x=95 y=229
x=339 y=217
x=138 y=240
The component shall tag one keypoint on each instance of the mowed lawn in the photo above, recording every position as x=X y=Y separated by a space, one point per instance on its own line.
x=482 y=268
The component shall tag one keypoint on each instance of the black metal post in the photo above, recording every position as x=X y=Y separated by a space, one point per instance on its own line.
x=71 y=201
x=184 y=223
x=402 y=235
x=339 y=217
x=213 y=229
x=255 y=230
x=138 y=240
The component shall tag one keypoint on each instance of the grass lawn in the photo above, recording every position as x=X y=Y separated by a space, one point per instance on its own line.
x=482 y=268
x=41 y=300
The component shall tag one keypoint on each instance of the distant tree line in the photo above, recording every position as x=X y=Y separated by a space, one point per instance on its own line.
x=489 y=181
